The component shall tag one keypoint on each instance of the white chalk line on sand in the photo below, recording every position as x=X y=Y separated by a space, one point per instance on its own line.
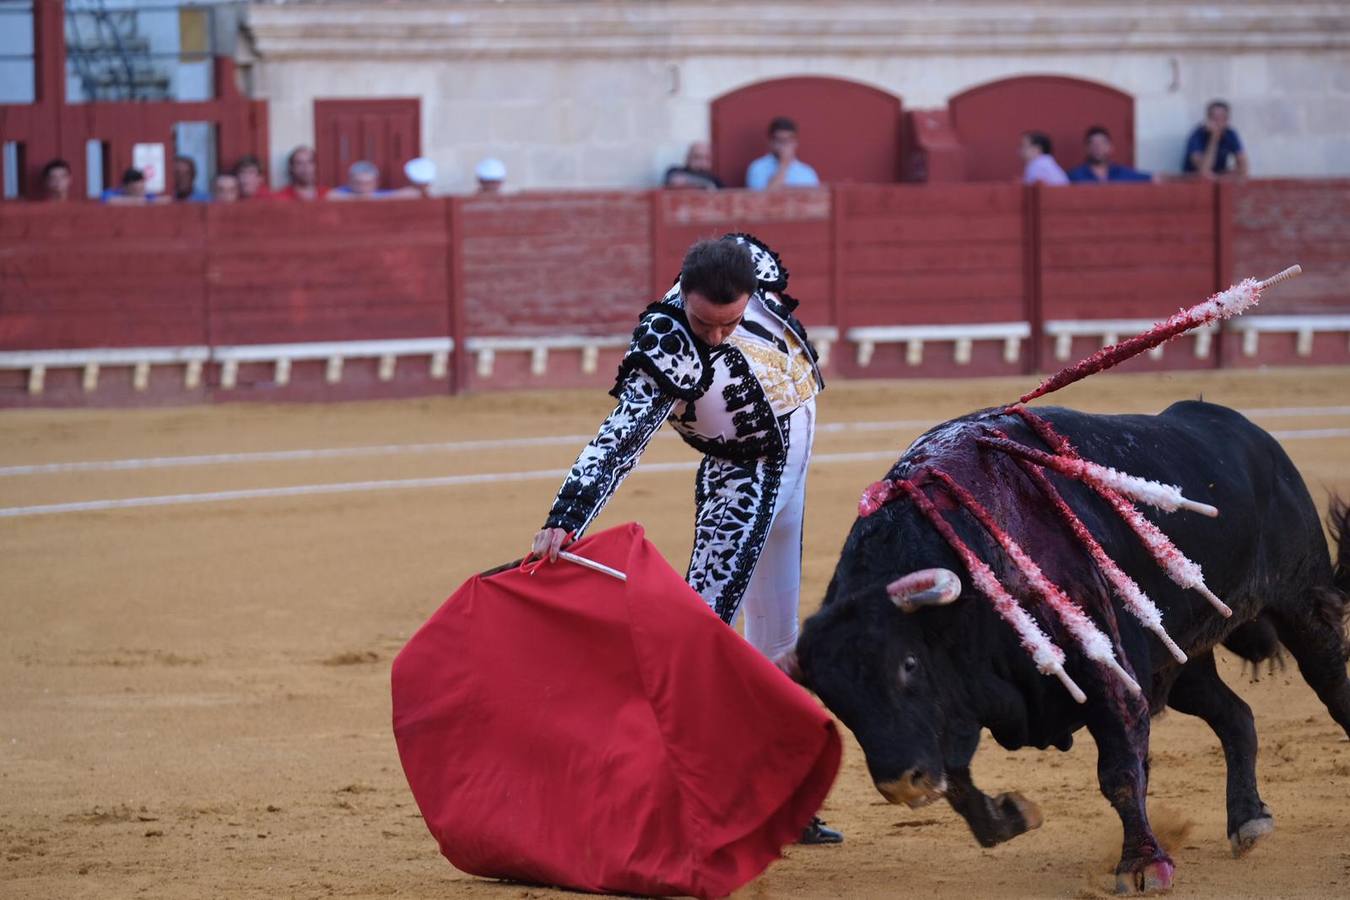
x=321 y=453
x=353 y=487
x=327 y=453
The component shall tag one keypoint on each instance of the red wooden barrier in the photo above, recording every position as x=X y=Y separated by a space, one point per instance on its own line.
x=916 y=280
x=929 y=255
x=285 y=272
x=92 y=276
x=89 y=276
x=296 y=272
x=1122 y=252
x=795 y=223
x=539 y=265
x=1274 y=224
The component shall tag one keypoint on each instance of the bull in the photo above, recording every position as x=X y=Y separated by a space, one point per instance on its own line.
x=912 y=657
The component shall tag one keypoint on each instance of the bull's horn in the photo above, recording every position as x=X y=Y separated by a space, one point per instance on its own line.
x=926 y=587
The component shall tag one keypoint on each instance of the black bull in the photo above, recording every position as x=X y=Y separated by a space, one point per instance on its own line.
x=916 y=688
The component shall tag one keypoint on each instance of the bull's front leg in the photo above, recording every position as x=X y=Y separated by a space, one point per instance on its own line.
x=1122 y=772
x=993 y=820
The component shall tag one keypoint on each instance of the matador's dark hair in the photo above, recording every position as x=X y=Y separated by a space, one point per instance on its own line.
x=720 y=270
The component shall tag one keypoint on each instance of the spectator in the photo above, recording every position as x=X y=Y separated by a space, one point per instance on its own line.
x=491 y=175
x=780 y=167
x=696 y=173
x=1098 y=166
x=132 y=192
x=252 y=185
x=1214 y=148
x=1041 y=166
x=302 y=170
x=422 y=173
x=56 y=180
x=363 y=183
x=184 y=179
x=225 y=188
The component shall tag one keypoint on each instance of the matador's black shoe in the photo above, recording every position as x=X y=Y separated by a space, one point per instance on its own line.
x=817 y=832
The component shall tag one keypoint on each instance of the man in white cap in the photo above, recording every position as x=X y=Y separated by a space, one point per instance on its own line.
x=491 y=175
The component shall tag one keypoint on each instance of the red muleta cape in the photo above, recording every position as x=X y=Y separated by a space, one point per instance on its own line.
x=566 y=728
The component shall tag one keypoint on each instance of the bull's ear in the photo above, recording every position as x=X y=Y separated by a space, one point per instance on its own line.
x=926 y=587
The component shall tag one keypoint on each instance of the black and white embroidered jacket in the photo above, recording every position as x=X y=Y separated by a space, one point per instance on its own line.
x=711 y=395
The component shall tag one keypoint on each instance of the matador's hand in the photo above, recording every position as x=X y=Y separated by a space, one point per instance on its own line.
x=548 y=542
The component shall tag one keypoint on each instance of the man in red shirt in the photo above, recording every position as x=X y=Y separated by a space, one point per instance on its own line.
x=302 y=170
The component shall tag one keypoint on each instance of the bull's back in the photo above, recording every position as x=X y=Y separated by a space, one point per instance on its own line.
x=1267 y=538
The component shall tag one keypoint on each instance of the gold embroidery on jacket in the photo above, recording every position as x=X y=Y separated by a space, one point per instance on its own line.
x=787 y=378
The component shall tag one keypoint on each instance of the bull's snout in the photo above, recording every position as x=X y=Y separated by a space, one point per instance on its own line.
x=914 y=788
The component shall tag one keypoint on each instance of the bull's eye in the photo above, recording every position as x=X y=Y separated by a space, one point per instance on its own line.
x=909 y=666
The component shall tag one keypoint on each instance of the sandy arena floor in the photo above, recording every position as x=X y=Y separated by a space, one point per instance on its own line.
x=194 y=698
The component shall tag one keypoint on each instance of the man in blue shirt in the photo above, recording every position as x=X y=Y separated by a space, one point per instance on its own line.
x=1214 y=148
x=780 y=167
x=1098 y=168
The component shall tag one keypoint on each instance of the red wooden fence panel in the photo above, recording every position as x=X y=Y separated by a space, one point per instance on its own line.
x=1276 y=224
x=311 y=272
x=795 y=223
x=551 y=264
x=929 y=255
x=1279 y=223
x=1126 y=252
x=283 y=272
x=536 y=268
x=96 y=276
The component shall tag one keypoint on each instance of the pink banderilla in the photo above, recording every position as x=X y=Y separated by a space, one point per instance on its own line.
x=1179 y=568
x=1164 y=496
x=1049 y=659
x=1090 y=638
x=1237 y=299
x=1110 y=484
x=1131 y=594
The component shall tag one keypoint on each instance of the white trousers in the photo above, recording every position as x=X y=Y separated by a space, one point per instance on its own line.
x=774 y=593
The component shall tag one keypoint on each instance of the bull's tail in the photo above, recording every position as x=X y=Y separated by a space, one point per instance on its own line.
x=1333 y=602
x=1328 y=610
x=1338 y=520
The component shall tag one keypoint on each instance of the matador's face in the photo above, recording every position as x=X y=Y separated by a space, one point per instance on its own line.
x=712 y=323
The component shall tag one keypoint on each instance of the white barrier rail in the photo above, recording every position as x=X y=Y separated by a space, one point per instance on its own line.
x=1303 y=327
x=91 y=360
x=335 y=352
x=1110 y=331
x=961 y=337
x=485 y=349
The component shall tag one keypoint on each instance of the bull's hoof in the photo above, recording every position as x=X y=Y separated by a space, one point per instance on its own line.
x=1021 y=811
x=1249 y=833
x=1152 y=878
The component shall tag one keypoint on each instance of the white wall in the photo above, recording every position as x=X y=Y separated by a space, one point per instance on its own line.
x=576 y=94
